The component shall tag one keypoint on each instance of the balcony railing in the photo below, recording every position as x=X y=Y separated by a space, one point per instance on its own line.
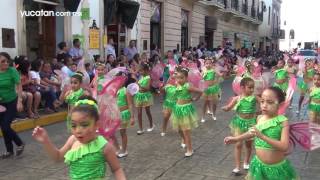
x=244 y=9
x=260 y=16
x=235 y=5
x=223 y=2
x=253 y=12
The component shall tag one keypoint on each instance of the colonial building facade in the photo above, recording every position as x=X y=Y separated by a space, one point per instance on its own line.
x=184 y=23
x=166 y=24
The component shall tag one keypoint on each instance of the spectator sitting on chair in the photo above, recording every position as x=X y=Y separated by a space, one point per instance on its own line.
x=76 y=52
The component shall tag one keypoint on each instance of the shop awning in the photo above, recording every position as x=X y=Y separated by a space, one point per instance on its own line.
x=70 y=5
x=127 y=10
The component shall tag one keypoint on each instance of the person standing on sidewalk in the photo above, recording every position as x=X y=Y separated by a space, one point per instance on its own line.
x=11 y=99
x=131 y=50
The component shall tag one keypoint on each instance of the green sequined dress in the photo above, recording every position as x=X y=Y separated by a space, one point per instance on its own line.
x=88 y=161
x=245 y=105
x=213 y=90
x=184 y=116
x=121 y=102
x=170 y=97
x=143 y=99
x=262 y=171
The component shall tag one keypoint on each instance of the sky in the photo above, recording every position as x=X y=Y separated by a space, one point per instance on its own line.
x=304 y=17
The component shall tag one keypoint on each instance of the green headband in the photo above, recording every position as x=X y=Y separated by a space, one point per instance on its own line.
x=87 y=102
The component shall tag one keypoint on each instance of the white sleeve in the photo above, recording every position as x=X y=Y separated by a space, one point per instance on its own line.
x=33 y=75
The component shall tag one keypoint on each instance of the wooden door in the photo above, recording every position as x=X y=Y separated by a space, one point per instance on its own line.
x=47 y=39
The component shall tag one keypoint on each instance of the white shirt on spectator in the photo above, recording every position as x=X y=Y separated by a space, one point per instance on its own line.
x=35 y=76
x=66 y=71
x=110 y=50
x=76 y=52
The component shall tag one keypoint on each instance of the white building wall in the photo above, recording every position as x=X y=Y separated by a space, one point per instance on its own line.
x=8 y=19
x=197 y=23
x=172 y=24
x=265 y=28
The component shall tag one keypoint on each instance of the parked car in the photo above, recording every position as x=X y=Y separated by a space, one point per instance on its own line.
x=303 y=54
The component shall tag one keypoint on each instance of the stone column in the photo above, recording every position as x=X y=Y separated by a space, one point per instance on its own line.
x=101 y=26
x=21 y=43
x=85 y=32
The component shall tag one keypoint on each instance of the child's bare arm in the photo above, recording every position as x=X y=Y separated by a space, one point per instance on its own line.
x=110 y=156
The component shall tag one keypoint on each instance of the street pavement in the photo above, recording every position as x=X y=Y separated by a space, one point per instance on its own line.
x=154 y=157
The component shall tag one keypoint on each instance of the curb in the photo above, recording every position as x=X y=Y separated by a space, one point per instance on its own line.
x=44 y=120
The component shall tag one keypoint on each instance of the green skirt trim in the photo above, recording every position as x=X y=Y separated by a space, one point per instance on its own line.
x=314 y=107
x=168 y=104
x=283 y=86
x=125 y=119
x=261 y=171
x=239 y=125
x=184 y=117
x=214 y=89
x=143 y=99
x=303 y=86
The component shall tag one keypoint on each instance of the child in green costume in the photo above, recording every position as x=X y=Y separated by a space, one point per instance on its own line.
x=245 y=107
x=85 y=152
x=73 y=95
x=211 y=93
x=184 y=116
x=306 y=84
x=169 y=102
x=314 y=103
x=144 y=98
x=125 y=105
x=271 y=139
x=281 y=76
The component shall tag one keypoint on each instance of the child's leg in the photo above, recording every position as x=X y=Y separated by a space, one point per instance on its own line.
x=205 y=108
x=214 y=107
x=36 y=102
x=166 y=116
x=237 y=154
x=140 y=118
x=183 y=141
x=124 y=138
x=187 y=138
x=29 y=104
x=312 y=116
x=209 y=108
x=149 y=116
x=249 y=151
x=300 y=101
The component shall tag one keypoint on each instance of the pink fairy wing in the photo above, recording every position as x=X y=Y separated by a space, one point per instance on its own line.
x=315 y=136
x=80 y=66
x=112 y=86
x=109 y=121
x=300 y=134
x=86 y=78
x=194 y=77
x=293 y=82
x=236 y=85
x=240 y=70
x=113 y=72
x=202 y=63
x=156 y=73
x=259 y=84
x=203 y=85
